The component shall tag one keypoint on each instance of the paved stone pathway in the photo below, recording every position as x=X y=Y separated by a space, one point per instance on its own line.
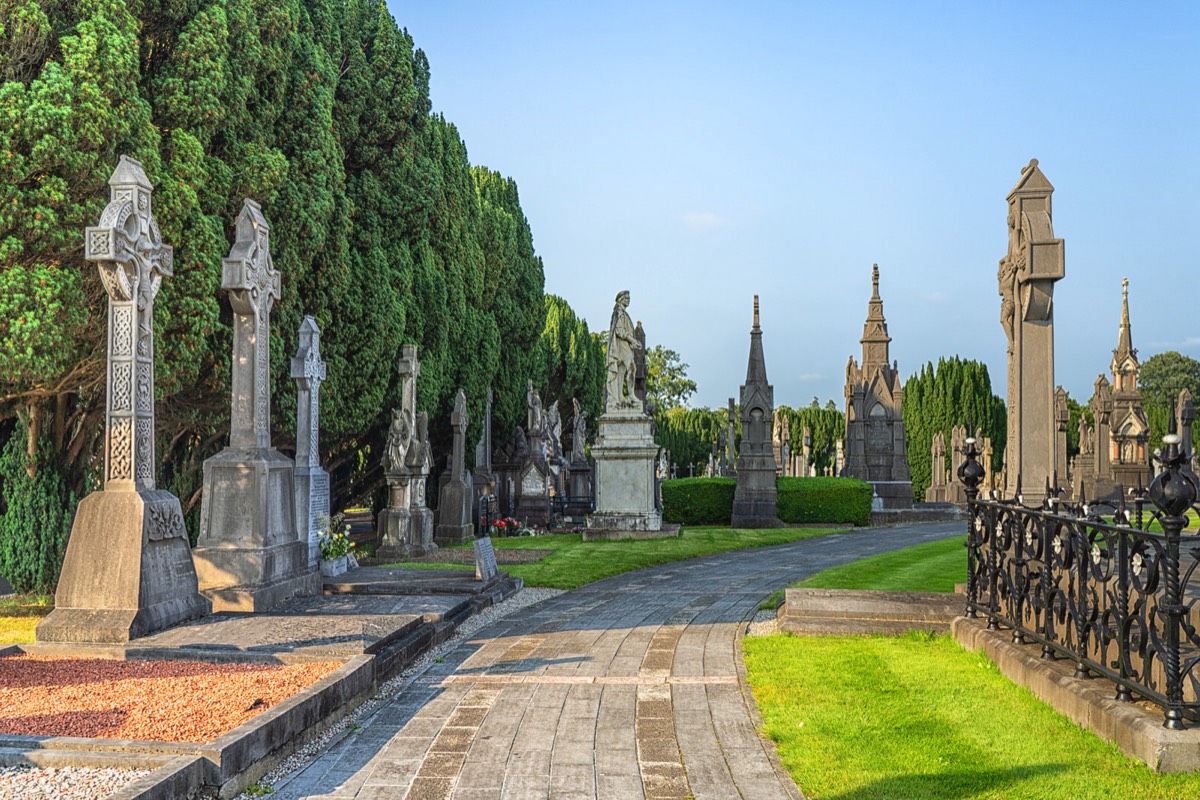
x=629 y=687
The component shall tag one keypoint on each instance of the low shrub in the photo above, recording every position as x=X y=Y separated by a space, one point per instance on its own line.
x=698 y=501
x=823 y=500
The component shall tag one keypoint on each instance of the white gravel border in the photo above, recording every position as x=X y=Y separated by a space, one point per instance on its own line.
x=65 y=783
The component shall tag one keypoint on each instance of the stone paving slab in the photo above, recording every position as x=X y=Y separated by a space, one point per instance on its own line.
x=630 y=687
x=410 y=580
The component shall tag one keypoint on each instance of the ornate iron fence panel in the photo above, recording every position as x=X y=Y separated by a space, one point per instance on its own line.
x=1118 y=601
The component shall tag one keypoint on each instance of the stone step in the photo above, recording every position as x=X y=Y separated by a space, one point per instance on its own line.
x=850 y=611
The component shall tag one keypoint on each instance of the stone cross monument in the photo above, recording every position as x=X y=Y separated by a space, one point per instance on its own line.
x=249 y=556
x=128 y=570
x=454 y=501
x=624 y=449
x=311 y=482
x=1027 y=274
x=405 y=527
x=755 y=494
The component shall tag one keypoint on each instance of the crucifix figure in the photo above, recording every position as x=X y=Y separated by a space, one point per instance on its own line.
x=253 y=285
x=128 y=249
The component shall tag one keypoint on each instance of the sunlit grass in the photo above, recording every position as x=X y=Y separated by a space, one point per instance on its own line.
x=916 y=716
x=573 y=562
x=930 y=567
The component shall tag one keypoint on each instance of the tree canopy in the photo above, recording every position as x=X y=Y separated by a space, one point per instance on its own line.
x=381 y=227
x=667 y=383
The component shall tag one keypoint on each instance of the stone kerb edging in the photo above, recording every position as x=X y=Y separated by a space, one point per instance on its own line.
x=1137 y=731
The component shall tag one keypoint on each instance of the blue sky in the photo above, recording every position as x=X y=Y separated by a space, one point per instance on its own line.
x=699 y=153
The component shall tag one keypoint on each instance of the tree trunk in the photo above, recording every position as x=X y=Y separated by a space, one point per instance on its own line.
x=32 y=435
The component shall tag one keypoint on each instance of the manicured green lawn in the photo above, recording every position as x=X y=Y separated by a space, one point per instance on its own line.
x=575 y=562
x=19 y=616
x=930 y=567
x=918 y=717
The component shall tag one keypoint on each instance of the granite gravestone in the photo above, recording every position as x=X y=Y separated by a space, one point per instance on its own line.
x=454 y=501
x=128 y=569
x=249 y=555
x=405 y=527
x=311 y=482
x=755 y=494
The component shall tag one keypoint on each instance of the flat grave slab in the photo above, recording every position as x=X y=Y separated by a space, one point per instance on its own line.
x=411 y=581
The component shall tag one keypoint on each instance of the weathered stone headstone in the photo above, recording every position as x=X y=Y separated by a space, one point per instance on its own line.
x=485 y=559
x=624 y=450
x=311 y=481
x=875 y=447
x=936 y=493
x=128 y=569
x=249 y=556
x=454 y=502
x=579 y=501
x=755 y=494
x=1027 y=274
x=483 y=480
x=1062 y=419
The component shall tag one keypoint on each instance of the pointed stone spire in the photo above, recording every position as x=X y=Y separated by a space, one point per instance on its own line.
x=875 y=330
x=1124 y=338
x=756 y=367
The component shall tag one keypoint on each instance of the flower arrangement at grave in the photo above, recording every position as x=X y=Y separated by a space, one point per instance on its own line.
x=505 y=526
x=335 y=538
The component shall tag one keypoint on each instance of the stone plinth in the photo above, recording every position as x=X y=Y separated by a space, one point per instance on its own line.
x=248 y=556
x=454 y=500
x=624 y=454
x=127 y=573
x=399 y=538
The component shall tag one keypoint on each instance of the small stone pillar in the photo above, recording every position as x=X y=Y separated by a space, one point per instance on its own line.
x=249 y=556
x=128 y=569
x=454 y=501
x=311 y=482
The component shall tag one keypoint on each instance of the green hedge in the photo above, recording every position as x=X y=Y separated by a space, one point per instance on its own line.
x=698 y=501
x=824 y=500
x=709 y=501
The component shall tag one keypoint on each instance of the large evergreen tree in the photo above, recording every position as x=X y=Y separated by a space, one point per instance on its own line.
x=956 y=392
x=381 y=228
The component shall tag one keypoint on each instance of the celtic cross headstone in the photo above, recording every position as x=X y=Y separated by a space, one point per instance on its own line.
x=128 y=570
x=249 y=555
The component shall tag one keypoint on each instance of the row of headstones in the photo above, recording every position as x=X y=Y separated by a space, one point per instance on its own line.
x=128 y=570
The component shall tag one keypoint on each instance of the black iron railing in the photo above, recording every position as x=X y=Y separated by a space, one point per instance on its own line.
x=1117 y=600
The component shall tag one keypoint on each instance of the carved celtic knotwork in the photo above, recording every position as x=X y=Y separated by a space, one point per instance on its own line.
x=122 y=377
x=120 y=449
x=145 y=399
x=145 y=449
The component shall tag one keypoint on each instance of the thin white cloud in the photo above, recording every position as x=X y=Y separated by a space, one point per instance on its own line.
x=1187 y=344
x=703 y=220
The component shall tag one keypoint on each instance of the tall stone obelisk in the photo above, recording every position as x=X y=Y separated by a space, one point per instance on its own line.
x=755 y=494
x=128 y=569
x=1027 y=274
x=311 y=481
x=249 y=556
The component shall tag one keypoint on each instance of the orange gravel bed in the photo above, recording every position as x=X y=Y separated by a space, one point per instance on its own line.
x=170 y=701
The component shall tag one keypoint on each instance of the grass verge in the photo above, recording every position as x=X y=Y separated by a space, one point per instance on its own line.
x=930 y=567
x=917 y=716
x=575 y=562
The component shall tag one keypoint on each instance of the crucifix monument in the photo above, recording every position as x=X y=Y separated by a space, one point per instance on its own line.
x=1027 y=274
